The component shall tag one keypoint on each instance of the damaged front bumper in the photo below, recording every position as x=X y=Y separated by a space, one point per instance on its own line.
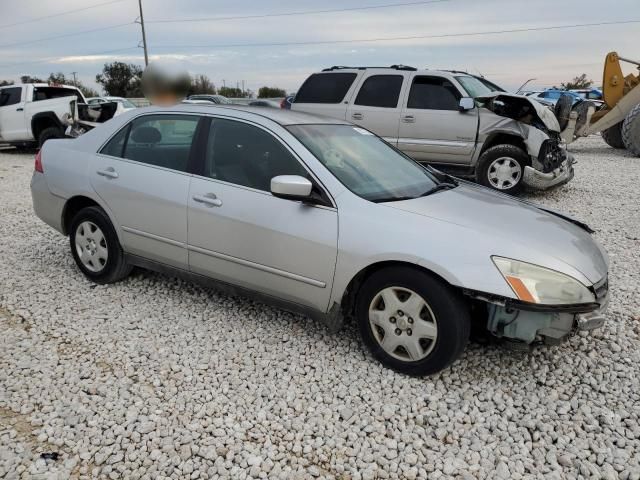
x=531 y=324
x=538 y=180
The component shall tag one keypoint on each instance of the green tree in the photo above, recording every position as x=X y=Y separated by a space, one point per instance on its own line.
x=580 y=81
x=121 y=79
x=62 y=79
x=4 y=83
x=201 y=84
x=30 y=79
x=271 y=92
x=232 y=92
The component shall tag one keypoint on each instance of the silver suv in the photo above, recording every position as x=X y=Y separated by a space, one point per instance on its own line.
x=462 y=123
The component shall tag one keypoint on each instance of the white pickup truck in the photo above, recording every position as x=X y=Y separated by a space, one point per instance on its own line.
x=32 y=113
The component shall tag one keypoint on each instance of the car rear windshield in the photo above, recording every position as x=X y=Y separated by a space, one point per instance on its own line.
x=364 y=163
x=325 y=88
x=47 y=93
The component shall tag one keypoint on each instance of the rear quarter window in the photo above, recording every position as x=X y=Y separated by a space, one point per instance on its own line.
x=325 y=88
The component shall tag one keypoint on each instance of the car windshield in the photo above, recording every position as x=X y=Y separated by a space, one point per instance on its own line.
x=364 y=163
x=473 y=86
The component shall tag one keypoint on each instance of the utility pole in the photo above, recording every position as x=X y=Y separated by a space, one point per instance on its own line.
x=144 y=35
x=75 y=80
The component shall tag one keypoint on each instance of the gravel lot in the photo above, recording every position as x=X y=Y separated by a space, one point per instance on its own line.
x=158 y=378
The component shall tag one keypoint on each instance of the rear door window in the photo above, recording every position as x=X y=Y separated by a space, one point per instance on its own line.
x=380 y=91
x=433 y=93
x=10 y=96
x=159 y=140
x=325 y=88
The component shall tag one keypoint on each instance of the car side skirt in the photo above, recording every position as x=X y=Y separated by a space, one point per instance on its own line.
x=228 y=288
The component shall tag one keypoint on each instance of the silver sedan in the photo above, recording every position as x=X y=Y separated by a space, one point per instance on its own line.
x=321 y=217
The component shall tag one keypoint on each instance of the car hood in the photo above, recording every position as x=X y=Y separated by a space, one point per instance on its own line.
x=546 y=116
x=511 y=221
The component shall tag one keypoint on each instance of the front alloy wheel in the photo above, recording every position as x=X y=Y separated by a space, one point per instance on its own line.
x=403 y=324
x=504 y=173
x=411 y=320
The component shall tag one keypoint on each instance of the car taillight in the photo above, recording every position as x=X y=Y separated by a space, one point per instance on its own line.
x=38 y=165
x=283 y=102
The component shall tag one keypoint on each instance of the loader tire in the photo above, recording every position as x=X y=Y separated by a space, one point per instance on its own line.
x=631 y=131
x=613 y=136
x=563 y=110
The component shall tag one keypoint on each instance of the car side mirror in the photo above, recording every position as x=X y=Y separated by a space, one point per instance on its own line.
x=291 y=187
x=466 y=103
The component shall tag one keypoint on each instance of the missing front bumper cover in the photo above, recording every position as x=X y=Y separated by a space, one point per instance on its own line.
x=538 y=180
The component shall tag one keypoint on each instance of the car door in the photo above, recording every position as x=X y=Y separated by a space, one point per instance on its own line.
x=376 y=106
x=241 y=234
x=142 y=176
x=432 y=128
x=12 y=119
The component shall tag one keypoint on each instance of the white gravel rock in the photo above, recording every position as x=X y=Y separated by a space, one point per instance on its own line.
x=158 y=378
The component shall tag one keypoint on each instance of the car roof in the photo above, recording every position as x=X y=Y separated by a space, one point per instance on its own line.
x=396 y=68
x=280 y=116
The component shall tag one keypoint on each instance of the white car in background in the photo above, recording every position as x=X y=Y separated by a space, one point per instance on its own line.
x=124 y=105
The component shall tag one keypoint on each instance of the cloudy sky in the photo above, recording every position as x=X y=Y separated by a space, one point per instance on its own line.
x=283 y=50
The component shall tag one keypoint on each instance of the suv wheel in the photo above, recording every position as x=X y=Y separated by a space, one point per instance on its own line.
x=49 y=133
x=411 y=321
x=502 y=168
x=95 y=247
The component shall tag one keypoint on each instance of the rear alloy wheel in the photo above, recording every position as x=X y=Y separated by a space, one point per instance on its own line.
x=95 y=247
x=613 y=136
x=631 y=131
x=502 y=168
x=411 y=321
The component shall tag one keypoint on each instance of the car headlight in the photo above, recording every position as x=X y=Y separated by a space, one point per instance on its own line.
x=535 y=284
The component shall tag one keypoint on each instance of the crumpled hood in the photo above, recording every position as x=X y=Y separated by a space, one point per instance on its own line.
x=546 y=116
x=511 y=221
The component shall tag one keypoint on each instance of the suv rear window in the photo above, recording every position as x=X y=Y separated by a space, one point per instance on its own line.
x=325 y=88
x=380 y=91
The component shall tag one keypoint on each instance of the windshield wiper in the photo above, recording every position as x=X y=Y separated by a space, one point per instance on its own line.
x=439 y=187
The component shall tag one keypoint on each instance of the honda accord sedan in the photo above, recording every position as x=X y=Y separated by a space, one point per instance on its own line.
x=324 y=218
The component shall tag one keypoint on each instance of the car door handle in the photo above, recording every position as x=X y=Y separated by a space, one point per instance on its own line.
x=408 y=119
x=109 y=173
x=20 y=109
x=208 y=199
x=357 y=116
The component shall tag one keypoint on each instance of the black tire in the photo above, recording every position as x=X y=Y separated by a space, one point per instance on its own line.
x=562 y=110
x=486 y=167
x=613 y=136
x=49 y=133
x=449 y=310
x=631 y=131
x=115 y=267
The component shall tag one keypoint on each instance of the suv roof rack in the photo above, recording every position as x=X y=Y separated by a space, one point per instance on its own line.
x=394 y=67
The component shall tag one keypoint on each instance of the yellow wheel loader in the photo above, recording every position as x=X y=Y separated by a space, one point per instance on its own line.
x=619 y=120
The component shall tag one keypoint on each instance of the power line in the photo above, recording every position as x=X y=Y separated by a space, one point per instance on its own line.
x=290 y=14
x=28 y=42
x=55 y=15
x=410 y=37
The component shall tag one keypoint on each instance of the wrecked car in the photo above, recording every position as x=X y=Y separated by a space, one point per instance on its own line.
x=321 y=217
x=461 y=123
